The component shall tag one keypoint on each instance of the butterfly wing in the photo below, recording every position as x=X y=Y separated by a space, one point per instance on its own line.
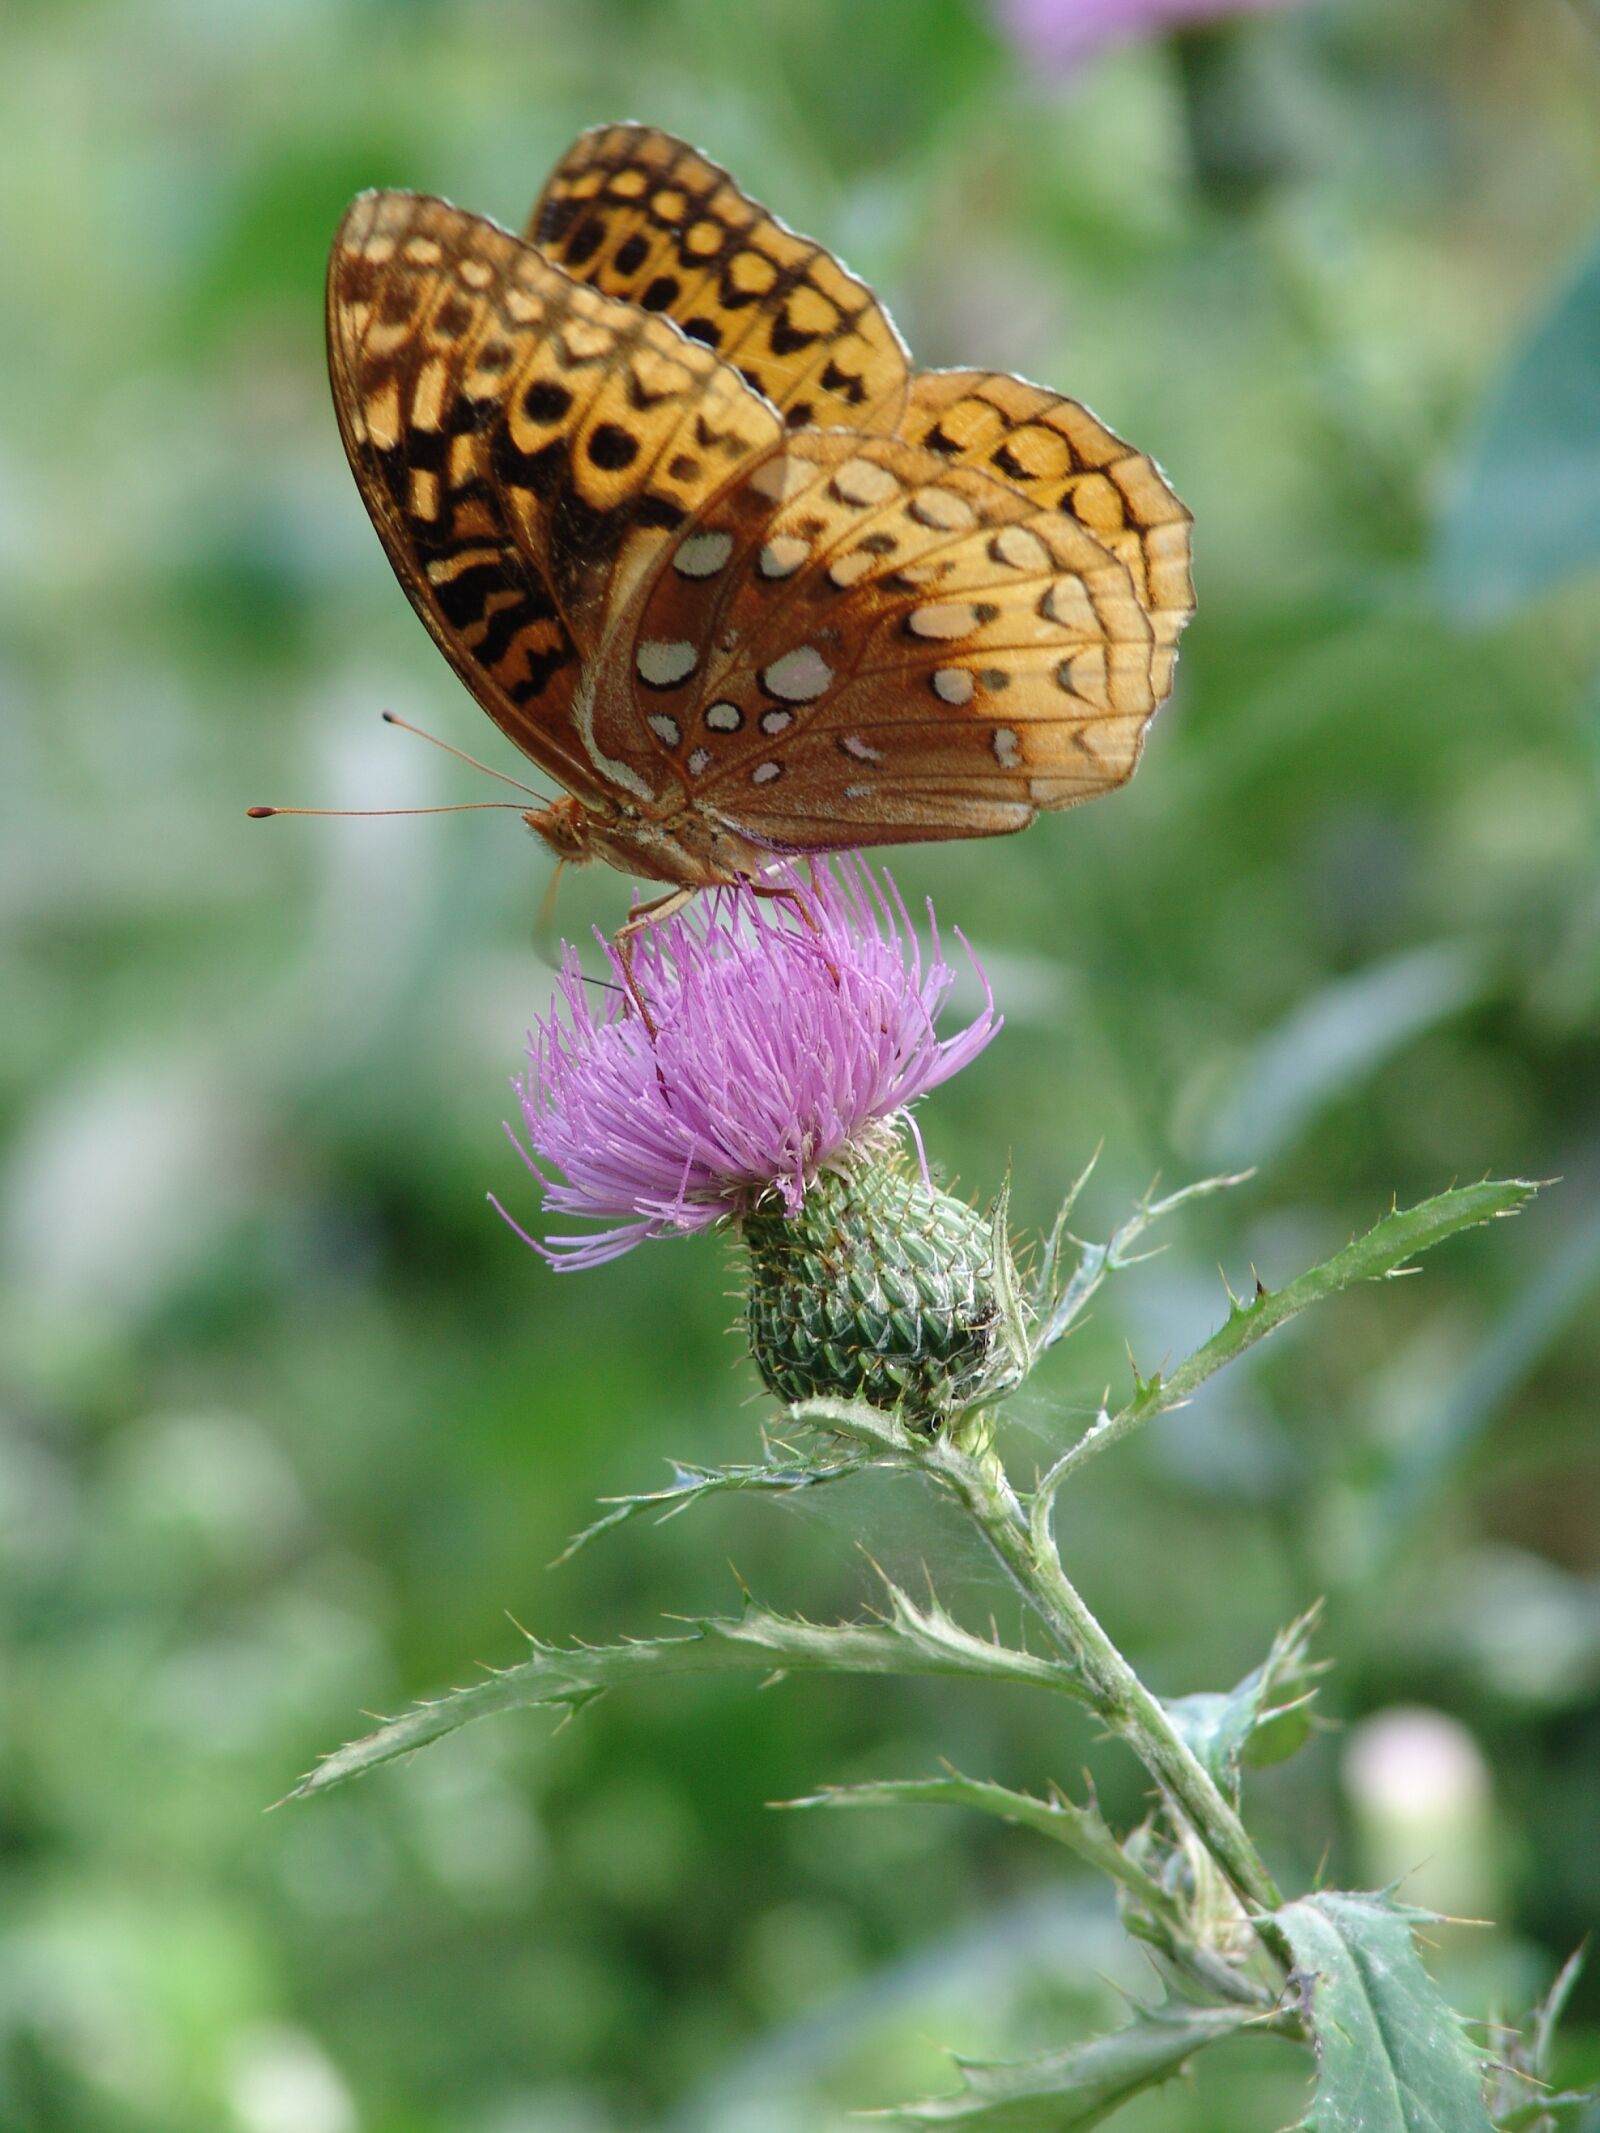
x=647 y=218
x=1054 y=452
x=859 y=643
x=524 y=445
x=824 y=640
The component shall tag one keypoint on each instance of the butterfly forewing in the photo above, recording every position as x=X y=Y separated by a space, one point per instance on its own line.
x=859 y=642
x=649 y=219
x=524 y=445
x=405 y=339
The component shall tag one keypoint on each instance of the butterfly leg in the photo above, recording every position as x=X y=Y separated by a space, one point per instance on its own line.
x=785 y=892
x=774 y=892
x=658 y=909
x=653 y=913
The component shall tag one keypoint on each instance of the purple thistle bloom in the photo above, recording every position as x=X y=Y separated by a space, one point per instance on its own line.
x=785 y=1032
x=1057 y=34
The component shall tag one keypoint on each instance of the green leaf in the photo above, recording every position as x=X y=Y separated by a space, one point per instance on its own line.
x=1083 y=1830
x=781 y=1473
x=1522 y=2099
x=1072 y=2090
x=1527 y=511
x=1059 y=1304
x=1381 y=1253
x=1391 y=2056
x=1335 y=1039
x=907 y=1639
x=1264 y=1720
x=1476 y=1385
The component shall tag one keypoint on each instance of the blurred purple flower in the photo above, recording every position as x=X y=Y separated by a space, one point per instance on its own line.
x=784 y=1033
x=1058 y=33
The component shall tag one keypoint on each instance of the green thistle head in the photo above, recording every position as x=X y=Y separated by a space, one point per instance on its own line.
x=881 y=1288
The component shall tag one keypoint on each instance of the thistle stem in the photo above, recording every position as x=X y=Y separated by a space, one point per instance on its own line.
x=1112 y=1688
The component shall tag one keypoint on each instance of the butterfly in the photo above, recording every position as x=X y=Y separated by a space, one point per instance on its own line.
x=661 y=482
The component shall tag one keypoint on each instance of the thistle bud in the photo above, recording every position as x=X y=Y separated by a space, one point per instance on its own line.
x=881 y=1288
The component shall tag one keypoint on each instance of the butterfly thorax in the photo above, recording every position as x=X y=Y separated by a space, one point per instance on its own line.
x=690 y=849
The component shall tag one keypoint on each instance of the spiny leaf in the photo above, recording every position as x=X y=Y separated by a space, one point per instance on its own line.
x=1546 y=2017
x=1521 y=2097
x=1391 y=2056
x=1382 y=1252
x=1081 y=1829
x=1070 y=2091
x=781 y=1473
x=1060 y=1304
x=908 y=1640
x=1261 y=1721
x=878 y=1429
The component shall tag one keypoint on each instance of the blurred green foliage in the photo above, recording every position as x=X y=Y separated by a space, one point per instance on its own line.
x=291 y=1420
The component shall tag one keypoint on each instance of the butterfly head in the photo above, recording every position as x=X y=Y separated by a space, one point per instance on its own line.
x=691 y=849
x=564 y=826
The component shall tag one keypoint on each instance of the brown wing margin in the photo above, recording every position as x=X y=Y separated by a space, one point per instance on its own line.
x=645 y=217
x=406 y=345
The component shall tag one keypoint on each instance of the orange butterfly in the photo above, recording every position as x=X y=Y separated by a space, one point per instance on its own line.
x=660 y=481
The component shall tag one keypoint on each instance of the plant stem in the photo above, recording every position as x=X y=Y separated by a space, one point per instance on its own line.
x=1112 y=1688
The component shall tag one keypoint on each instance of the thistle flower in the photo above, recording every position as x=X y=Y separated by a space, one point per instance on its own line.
x=754 y=1062
x=1059 y=33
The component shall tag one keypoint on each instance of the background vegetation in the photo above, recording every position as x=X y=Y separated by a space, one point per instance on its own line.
x=291 y=1421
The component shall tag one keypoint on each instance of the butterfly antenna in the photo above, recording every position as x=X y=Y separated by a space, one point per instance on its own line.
x=459 y=807
x=393 y=718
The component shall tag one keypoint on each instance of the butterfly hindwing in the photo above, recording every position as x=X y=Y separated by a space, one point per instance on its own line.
x=859 y=644
x=1054 y=452
x=649 y=219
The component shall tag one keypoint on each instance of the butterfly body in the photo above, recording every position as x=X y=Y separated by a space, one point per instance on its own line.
x=661 y=483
